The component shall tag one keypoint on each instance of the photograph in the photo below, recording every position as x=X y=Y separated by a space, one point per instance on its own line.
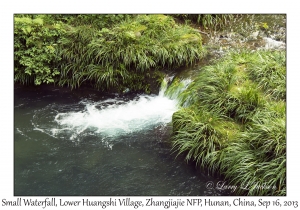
x=149 y=104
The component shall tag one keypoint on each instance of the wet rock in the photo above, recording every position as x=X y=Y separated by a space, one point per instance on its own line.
x=223 y=36
x=254 y=35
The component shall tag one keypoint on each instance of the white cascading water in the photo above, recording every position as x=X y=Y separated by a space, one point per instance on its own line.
x=114 y=117
x=273 y=44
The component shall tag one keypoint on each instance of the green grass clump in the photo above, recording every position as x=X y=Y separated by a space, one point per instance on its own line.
x=270 y=74
x=201 y=135
x=215 y=21
x=110 y=52
x=225 y=89
x=257 y=157
x=267 y=69
x=196 y=138
x=125 y=55
x=148 y=41
x=234 y=121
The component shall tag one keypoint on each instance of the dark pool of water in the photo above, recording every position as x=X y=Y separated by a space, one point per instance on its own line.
x=138 y=163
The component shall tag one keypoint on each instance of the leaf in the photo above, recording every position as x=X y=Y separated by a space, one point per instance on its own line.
x=28 y=72
x=38 y=21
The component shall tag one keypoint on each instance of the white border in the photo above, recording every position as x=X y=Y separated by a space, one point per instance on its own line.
x=8 y=8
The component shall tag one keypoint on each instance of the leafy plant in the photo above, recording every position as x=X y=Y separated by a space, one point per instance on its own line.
x=127 y=54
x=258 y=157
x=212 y=21
x=35 y=45
x=110 y=52
x=234 y=121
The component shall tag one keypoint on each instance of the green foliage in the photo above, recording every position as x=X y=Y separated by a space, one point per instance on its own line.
x=240 y=83
x=262 y=25
x=258 y=157
x=177 y=90
x=126 y=55
x=269 y=71
x=149 y=41
x=111 y=52
x=213 y=21
x=35 y=46
x=94 y=20
x=234 y=122
x=201 y=135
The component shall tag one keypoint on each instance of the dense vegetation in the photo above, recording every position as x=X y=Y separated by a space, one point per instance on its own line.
x=207 y=21
x=109 y=52
x=233 y=121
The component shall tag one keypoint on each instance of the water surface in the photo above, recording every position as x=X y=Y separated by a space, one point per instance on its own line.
x=86 y=143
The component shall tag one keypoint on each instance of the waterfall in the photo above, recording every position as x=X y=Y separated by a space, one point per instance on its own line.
x=114 y=117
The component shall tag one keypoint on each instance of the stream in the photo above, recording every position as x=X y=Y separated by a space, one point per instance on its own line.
x=84 y=143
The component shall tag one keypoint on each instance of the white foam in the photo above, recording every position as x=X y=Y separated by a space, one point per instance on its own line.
x=116 y=117
x=273 y=44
